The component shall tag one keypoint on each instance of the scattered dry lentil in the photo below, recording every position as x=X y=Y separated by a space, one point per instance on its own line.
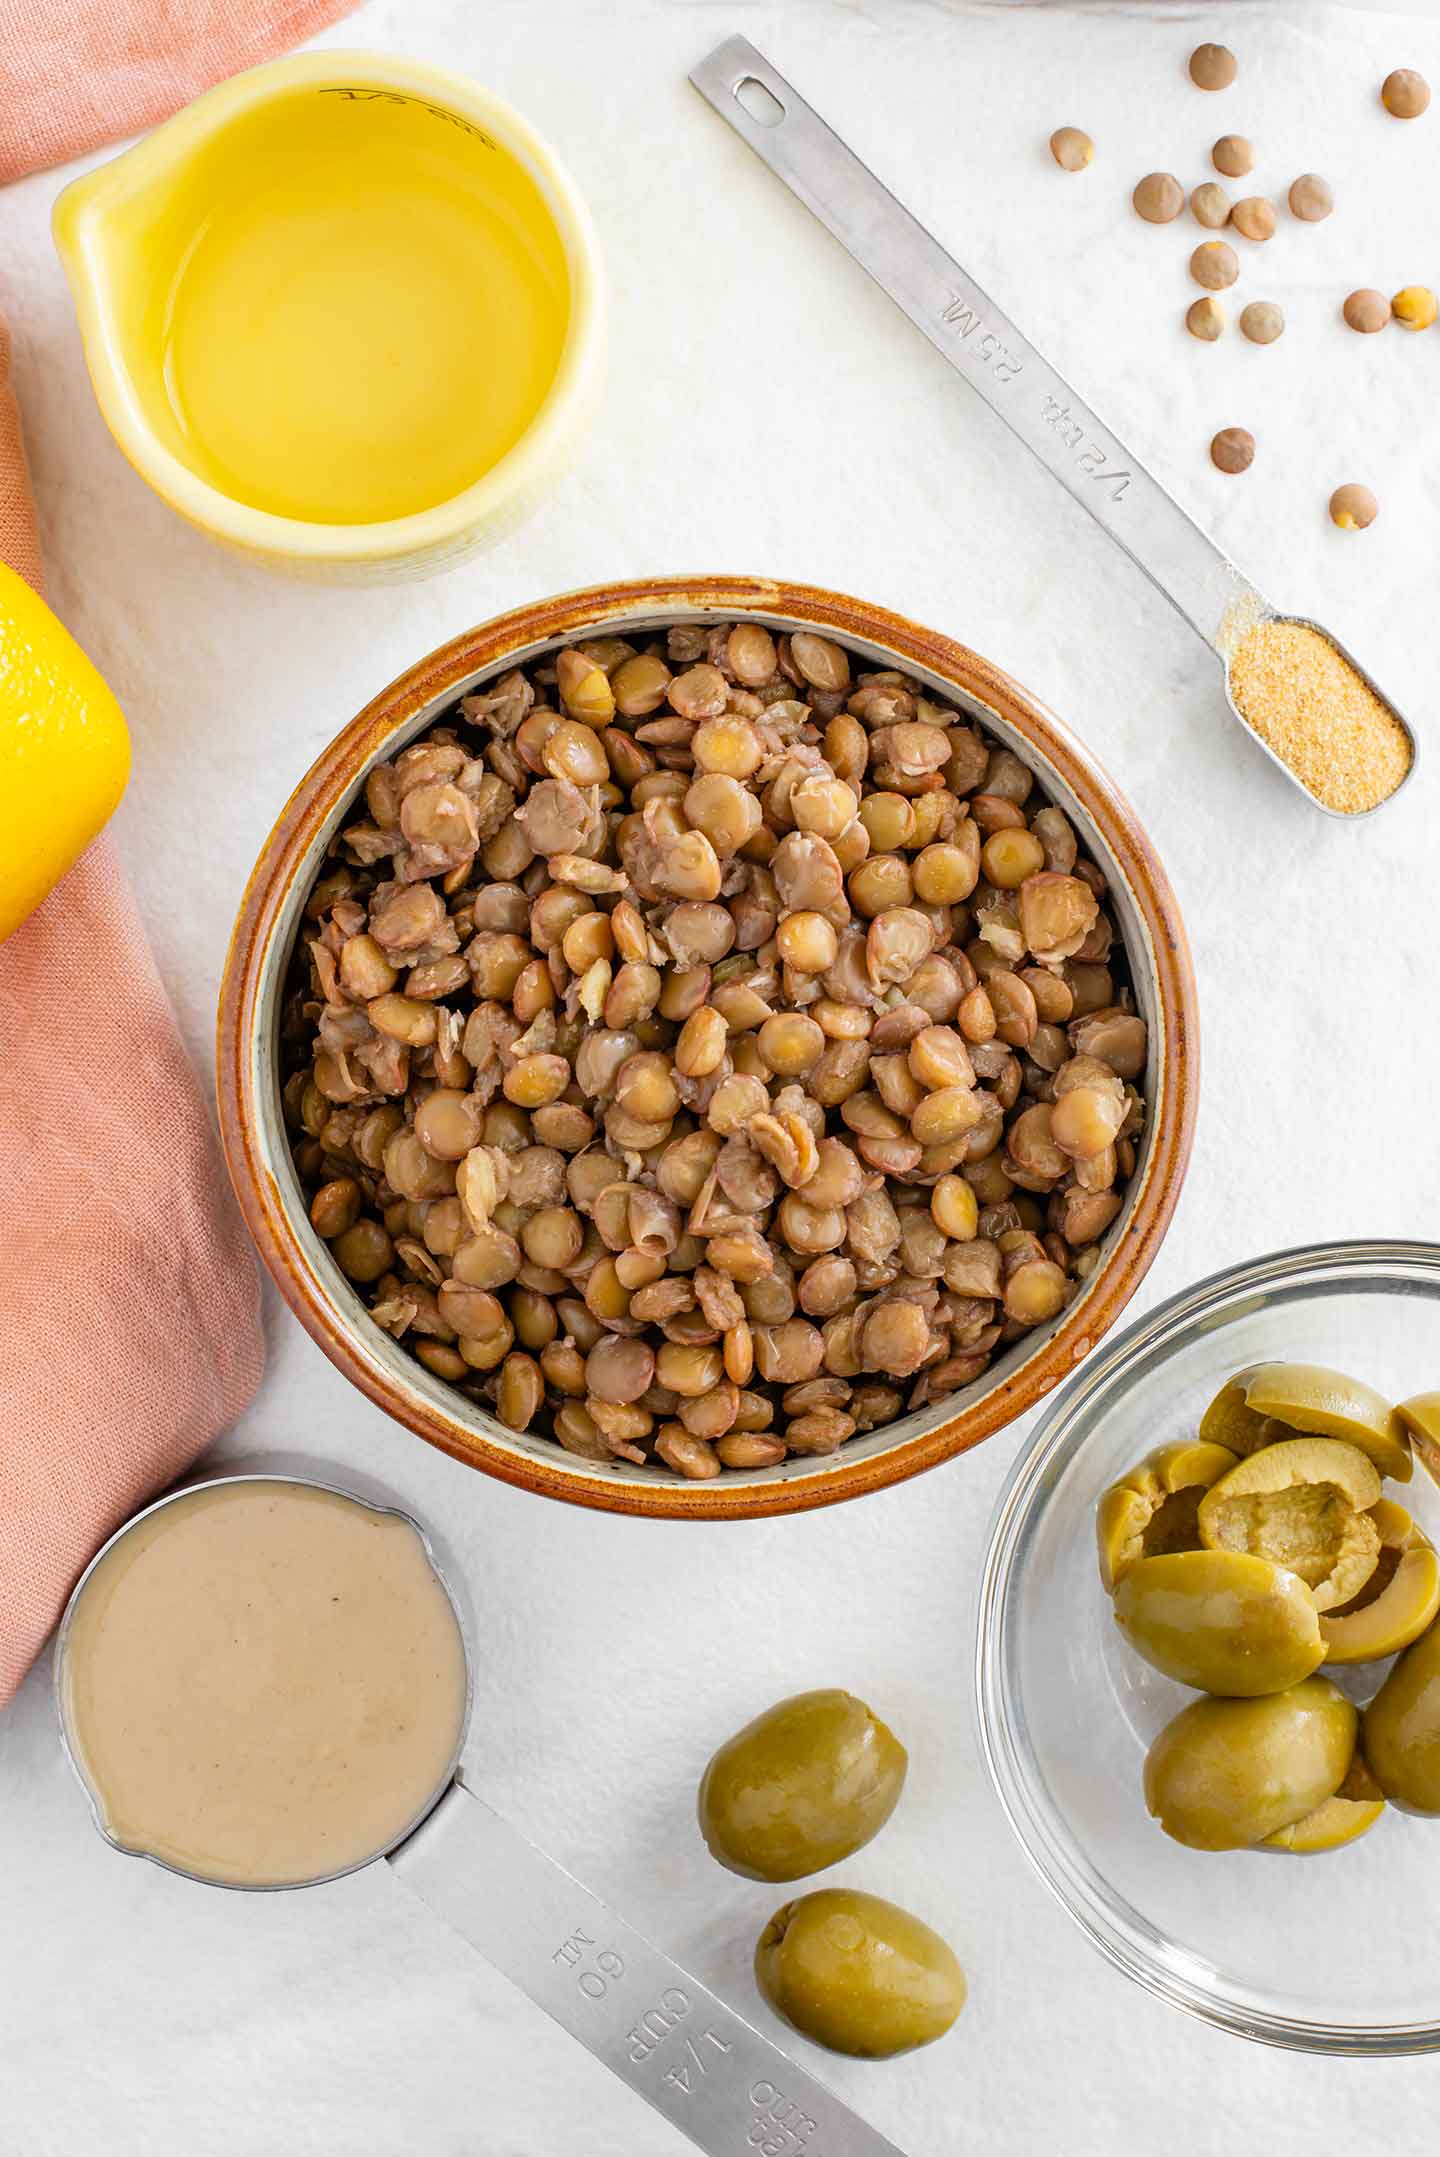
x=1405 y=93
x=1213 y=67
x=1233 y=450
x=1205 y=319
x=1353 y=507
x=1367 y=310
x=1262 y=322
x=1158 y=198
x=1414 y=307
x=1210 y=205
x=1071 y=148
x=1233 y=156
x=1303 y=697
x=1215 y=265
x=1310 y=198
x=1254 y=217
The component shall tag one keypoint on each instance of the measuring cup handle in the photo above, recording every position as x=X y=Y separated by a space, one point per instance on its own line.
x=654 y=2025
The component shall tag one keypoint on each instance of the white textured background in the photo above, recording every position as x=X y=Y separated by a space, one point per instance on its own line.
x=769 y=412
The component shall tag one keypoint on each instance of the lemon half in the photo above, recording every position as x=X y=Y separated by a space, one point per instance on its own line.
x=64 y=751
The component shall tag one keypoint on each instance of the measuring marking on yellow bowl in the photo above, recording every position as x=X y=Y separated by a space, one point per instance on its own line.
x=64 y=751
x=343 y=311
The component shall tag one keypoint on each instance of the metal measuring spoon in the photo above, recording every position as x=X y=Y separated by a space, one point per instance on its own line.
x=652 y=2024
x=1015 y=380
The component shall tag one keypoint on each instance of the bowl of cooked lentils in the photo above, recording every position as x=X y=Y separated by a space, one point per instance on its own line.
x=707 y=1048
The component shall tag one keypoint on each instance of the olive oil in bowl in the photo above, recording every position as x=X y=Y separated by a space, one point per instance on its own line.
x=342 y=310
x=364 y=323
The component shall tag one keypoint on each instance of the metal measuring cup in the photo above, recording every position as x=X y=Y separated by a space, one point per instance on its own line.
x=654 y=2025
x=1018 y=383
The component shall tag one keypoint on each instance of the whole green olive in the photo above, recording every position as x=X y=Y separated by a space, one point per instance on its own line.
x=858 y=1974
x=1224 y=1774
x=801 y=1787
x=1402 y=1727
x=1221 y=1620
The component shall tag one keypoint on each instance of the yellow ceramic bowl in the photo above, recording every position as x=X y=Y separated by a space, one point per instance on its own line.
x=343 y=312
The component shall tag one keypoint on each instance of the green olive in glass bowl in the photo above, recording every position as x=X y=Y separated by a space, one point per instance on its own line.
x=1241 y=1938
x=1221 y=1620
x=1402 y=1727
x=1225 y=1774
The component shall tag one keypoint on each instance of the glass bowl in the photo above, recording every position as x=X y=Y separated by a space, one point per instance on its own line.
x=1332 y=1953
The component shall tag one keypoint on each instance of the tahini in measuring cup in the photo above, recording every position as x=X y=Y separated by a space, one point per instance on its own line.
x=264 y=1681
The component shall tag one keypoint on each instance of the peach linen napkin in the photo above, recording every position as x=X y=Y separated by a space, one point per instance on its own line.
x=74 y=73
x=129 y=1302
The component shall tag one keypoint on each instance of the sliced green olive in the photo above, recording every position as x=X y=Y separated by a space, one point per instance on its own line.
x=1399 y=1529
x=1398 y=1533
x=1175 y=1524
x=1304 y=1504
x=1351 y=1813
x=1402 y=1727
x=1229 y=1422
x=1308 y=1397
x=1153 y=1507
x=1420 y=1418
x=1224 y=1774
x=1121 y=1518
x=1398 y=1615
x=1293 y=1463
x=1221 y=1620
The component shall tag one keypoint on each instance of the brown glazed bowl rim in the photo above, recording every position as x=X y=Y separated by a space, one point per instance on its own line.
x=307 y=1278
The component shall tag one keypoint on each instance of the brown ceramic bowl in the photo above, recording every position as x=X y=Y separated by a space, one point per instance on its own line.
x=253 y=1130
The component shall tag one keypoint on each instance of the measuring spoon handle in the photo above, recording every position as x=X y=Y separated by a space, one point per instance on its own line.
x=977 y=339
x=653 y=2024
